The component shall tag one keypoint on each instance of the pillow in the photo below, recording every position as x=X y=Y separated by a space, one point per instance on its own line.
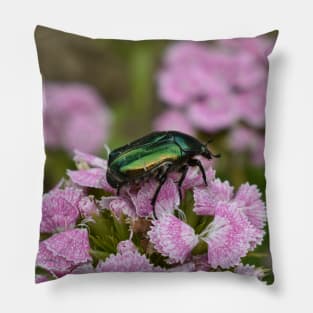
x=182 y=188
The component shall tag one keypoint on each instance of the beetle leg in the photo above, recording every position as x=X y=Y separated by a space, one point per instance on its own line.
x=161 y=178
x=183 y=170
x=118 y=190
x=196 y=162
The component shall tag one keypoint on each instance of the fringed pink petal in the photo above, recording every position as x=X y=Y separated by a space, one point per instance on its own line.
x=207 y=198
x=249 y=198
x=172 y=238
x=127 y=259
x=59 y=210
x=88 y=207
x=90 y=159
x=94 y=178
x=230 y=236
x=72 y=245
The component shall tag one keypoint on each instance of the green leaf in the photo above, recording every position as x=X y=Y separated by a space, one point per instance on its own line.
x=158 y=260
x=41 y=271
x=105 y=232
x=187 y=207
x=200 y=248
x=204 y=221
x=99 y=255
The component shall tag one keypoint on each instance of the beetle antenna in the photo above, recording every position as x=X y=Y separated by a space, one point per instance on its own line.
x=216 y=155
x=107 y=149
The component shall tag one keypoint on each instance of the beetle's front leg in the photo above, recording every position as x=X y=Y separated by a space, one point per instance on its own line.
x=118 y=190
x=196 y=162
x=161 y=178
x=183 y=172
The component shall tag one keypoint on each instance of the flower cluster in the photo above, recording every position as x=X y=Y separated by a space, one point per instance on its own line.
x=216 y=86
x=74 y=117
x=213 y=229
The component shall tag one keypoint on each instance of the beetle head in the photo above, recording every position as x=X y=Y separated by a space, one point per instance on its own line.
x=207 y=153
x=111 y=179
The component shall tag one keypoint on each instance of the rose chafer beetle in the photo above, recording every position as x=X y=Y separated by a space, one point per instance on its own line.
x=156 y=155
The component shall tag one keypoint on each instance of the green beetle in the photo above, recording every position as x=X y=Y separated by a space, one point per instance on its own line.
x=155 y=155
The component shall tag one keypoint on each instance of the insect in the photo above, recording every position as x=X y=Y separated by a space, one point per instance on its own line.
x=156 y=155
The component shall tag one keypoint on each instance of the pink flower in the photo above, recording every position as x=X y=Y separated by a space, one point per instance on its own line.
x=216 y=84
x=191 y=71
x=61 y=252
x=94 y=177
x=172 y=238
x=250 y=106
x=88 y=207
x=135 y=201
x=74 y=116
x=118 y=205
x=84 y=268
x=60 y=209
x=167 y=201
x=260 y=46
x=127 y=259
x=41 y=278
x=173 y=120
x=214 y=113
x=249 y=270
x=230 y=236
x=242 y=139
x=207 y=198
x=248 y=198
x=186 y=267
x=89 y=159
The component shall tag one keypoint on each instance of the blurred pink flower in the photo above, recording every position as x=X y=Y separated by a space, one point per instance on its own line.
x=216 y=84
x=243 y=139
x=251 y=106
x=173 y=238
x=74 y=117
x=82 y=158
x=207 y=198
x=173 y=120
x=190 y=71
x=260 y=46
x=60 y=209
x=230 y=236
x=62 y=252
x=127 y=259
x=214 y=113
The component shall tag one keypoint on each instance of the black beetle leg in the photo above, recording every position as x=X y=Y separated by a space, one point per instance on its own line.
x=119 y=188
x=183 y=170
x=161 y=178
x=196 y=162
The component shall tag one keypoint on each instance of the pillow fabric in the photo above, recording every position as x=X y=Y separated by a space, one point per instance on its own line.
x=166 y=202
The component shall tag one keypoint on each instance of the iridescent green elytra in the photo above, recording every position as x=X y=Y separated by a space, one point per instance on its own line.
x=156 y=155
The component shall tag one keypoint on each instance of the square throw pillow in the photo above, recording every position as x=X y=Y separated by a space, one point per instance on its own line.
x=154 y=155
